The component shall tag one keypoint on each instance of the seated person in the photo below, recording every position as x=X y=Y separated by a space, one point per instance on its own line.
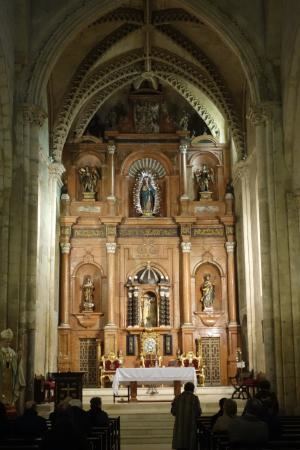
x=249 y=430
x=229 y=414
x=59 y=409
x=270 y=407
x=30 y=424
x=219 y=413
x=78 y=416
x=64 y=435
x=96 y=416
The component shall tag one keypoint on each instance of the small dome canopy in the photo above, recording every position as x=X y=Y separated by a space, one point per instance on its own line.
x=148 y=275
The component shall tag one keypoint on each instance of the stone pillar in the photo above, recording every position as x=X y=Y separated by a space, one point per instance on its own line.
x=111 y=251
x=187 y=327
x=65 y=285
x=55 y=170
x=258 y=118
x=184 y=198
x=111 y=199
x=24 y=229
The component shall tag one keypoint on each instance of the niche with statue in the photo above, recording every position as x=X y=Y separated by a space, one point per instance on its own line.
x=87 y=305
x=148 y=299
x=208 y=295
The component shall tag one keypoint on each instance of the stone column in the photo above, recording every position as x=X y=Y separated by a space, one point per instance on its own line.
x=186 y=282
x=111 y=251
x=111 y=149
x=65 y=285
x=55 y=170
x=184 y=198
x=258 y=119
x=187 y=327
x=110 y=329
x=24 y=229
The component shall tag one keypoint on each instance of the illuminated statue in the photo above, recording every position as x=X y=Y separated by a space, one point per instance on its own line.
x=11 y=373
x=208 y=293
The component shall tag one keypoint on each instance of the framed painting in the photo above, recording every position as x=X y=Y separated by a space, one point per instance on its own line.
x=168 y=348
x=130 y=345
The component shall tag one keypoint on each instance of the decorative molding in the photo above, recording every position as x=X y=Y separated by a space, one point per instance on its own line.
x=148 y=164
x=186 y=247
x=147 y=232
x=208 y=231
x=206 y=209
x=89 y=319
x=208 y=319
x=88 y=258
x=173 y=15
x=111 y=247
x=128 y=15
x=230 y=230
x=89 y=232
x=147 y=249
x=65 y=231
x=89 y=209
x=185 y=229
x=111 y=230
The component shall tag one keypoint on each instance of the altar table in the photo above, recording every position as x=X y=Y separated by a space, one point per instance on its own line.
x=153 y=375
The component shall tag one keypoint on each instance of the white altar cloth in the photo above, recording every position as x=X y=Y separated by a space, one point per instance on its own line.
x=153 y=375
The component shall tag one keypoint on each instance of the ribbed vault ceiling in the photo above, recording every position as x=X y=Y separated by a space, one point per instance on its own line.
x=156 y=38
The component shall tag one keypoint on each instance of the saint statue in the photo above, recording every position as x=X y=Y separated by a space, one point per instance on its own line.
x=89 y=177
x=208 y=293
x=205 y=177
x=11 y=373
x=147 y=196
x=88 y=294
x=148 y=311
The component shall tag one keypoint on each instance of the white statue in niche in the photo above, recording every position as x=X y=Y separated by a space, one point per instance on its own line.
x=88 y=288
x=208 y=293
x=148 y=311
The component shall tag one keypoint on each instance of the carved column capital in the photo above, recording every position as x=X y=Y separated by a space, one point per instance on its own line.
x=56 y=169
x=183 y=148
x=34 y=114
x=111 y=247
x=65 y=247
x=186 y=247
x=257 y=115
x=230 y=246
x=111 y=148
x=240 y=170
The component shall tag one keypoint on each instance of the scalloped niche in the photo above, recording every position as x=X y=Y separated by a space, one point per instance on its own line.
x=84 y=271
x=208 y=268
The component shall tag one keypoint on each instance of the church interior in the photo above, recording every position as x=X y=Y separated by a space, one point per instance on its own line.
x=150 y=189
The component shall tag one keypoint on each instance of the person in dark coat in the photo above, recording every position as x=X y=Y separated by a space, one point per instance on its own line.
x=30 y=424
x=249 y=430
x=270 y=404
x=96 y=416
x=64 y=436
x=4 y=423
x=215 y=417
x=186 y=409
